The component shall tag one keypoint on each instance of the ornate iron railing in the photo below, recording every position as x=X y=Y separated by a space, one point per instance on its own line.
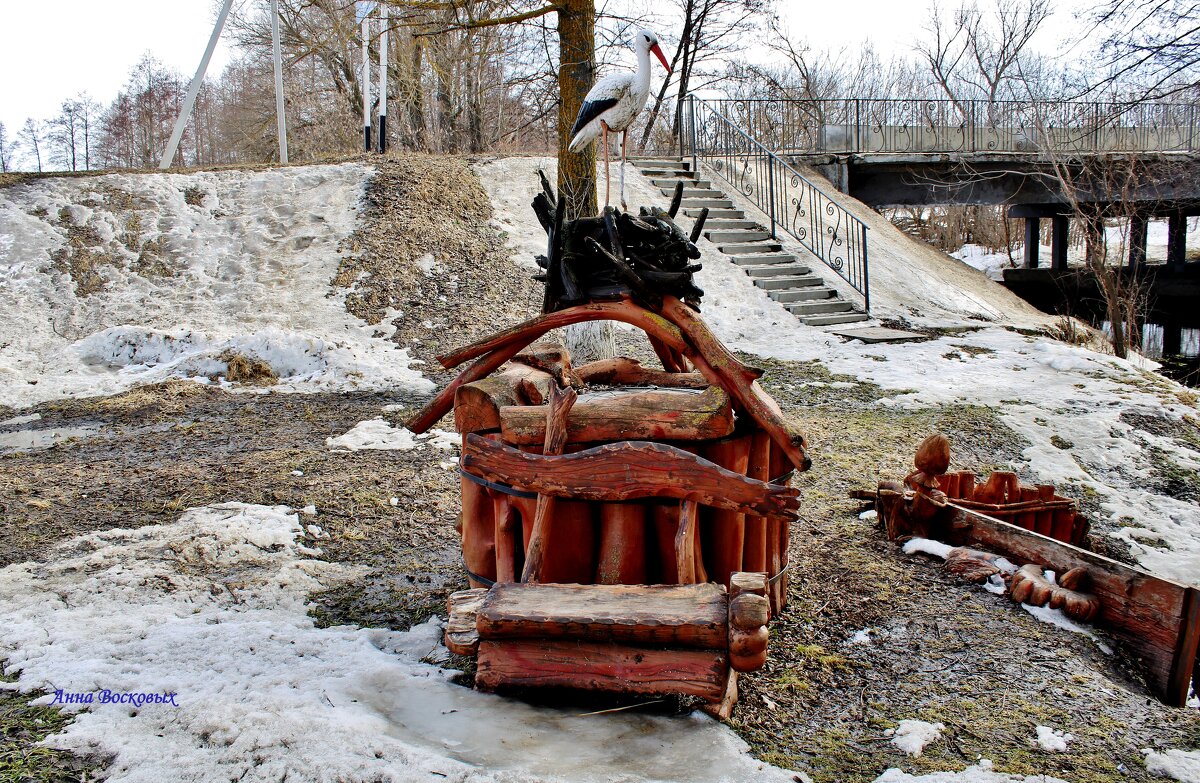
x=889 y=125
x=789 y=200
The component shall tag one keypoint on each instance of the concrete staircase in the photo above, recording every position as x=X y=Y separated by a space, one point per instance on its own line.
x=750 y=246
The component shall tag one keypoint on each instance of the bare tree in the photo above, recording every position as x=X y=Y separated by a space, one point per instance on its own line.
x=30 y=137
x=973 y=55
x=8 y=149
x=65 y=135
x=1151 y=47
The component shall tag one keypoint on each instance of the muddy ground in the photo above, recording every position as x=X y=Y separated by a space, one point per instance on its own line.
x=935 y=649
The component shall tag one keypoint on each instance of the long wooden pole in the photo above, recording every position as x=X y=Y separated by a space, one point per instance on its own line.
x=561 y=402
x=189 y=101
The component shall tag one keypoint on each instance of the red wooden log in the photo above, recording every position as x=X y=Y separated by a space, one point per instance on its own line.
x=506 y=542
x=622 y=556
x=599 y=666
x=627 y=471
x=570 y=553
x=685 y=543
x=561 y=401
x=625 y=371
x=664 y=523
x=754 y=555
x=1044 y=520
x=724 y=532
x=478 y=532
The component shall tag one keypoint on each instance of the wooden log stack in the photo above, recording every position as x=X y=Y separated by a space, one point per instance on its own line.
x=1156 y=620
x=607 y=508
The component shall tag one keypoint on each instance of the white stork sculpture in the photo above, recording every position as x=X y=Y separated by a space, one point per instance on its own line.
x=613 y=103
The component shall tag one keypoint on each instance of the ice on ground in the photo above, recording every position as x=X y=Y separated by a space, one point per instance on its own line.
x=1052 y=740
x=213 y=608
x=373 y=434
x=982 y=772
x=17 y=421
x=927 y=546
x=1182 y=765
x=911 y=736
x=1056 y=617
x=33 y=440
x=995 y=585
x=111 y=281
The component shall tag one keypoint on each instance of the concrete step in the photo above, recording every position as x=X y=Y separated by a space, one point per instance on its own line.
x=825 y=307
x=665 y=173
x=717 y=214
x=834 y=318
x=742 y=248
x=809 y=282
x=694 y=192
x=662 y=165
x=736 y=237
x=777 y=270
x=730 y=225
x=763 y=259
x=670 y=184
x=711 y=203
x=795 y=285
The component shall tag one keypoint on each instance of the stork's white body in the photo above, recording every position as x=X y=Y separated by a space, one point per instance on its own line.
x=614 y=103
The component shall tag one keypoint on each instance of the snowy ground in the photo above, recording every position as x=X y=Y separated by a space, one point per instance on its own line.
x=224 y=588
x=107 y=282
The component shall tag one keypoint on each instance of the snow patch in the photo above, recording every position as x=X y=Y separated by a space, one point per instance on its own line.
x=373 y=434
x=1182 y=765
x=213 y=608
x=982 y=772
x=927 y=546
x=17 y=421
x=911 y=736
x=1052 y=740
x=1056 y=617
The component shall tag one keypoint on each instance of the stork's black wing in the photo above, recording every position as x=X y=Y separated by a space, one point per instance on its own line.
x=590 y=110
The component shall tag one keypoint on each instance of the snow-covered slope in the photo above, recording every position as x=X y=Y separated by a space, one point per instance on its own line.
x=114 y=280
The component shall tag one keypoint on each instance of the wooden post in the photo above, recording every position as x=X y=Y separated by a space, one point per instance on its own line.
x=754 y=555
x=478 y=532
x=724 y=532
x=685 y=544
x=506 y=543
x=622 y=556
x=561 y=401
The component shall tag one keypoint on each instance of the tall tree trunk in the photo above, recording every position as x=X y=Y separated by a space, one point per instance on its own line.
x=576 y=72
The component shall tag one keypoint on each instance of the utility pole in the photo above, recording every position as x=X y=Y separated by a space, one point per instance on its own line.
x=280 y=117
x=189 y=102
x=383 y=77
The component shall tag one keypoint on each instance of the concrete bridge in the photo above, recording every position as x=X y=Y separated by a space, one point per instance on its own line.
x=1137 y=161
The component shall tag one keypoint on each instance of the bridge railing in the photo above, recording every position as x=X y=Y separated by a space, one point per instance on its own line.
x=790 y=201
x=901 y=125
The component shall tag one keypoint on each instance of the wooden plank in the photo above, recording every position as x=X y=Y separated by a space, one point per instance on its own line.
x=754 y=555
x=599 y=666
x=685 y=615
x=506 y=542
x=664 y=522
x=658 y=414
x=625 y=371
x=1150 y=615
x=478 y=532
x=628 y=471
x=622 y=556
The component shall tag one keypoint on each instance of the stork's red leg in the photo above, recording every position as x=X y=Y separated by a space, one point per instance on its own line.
x=604 y=135
x=624 y=145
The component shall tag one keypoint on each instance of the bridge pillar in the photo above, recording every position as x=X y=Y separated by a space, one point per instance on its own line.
x=1033 y=235
x=1176 y=240
x=1172 y=344
x=1139 y=223
x=1059 y=227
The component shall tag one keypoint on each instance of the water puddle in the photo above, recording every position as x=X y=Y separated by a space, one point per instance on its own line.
x=34 y=440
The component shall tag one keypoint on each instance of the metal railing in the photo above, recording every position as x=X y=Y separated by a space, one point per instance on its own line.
x=909 y=125
x=789 y=200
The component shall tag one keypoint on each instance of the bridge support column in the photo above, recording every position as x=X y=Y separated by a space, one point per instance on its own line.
x=1058 y=245
x=1172 y=342
x=1176 y=241
x=1139 y=223
x=1033 y=236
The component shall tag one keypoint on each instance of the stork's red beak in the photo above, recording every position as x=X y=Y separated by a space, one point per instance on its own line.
x=658 y=53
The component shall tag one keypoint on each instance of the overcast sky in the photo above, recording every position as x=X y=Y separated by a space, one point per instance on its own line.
x=52 y=51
